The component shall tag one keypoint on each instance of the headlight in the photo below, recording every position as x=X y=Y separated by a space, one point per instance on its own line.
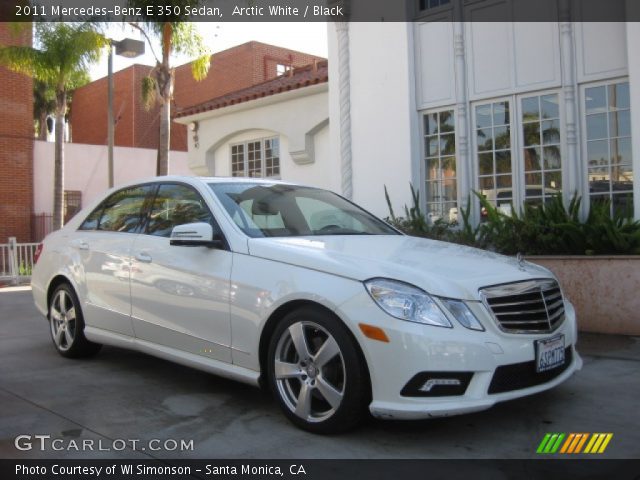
x=406 y=302
x=462 y=314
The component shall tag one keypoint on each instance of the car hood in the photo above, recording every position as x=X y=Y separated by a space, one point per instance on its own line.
x=440 y=268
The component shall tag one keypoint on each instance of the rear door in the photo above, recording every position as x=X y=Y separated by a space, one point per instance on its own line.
x=104 y=242
x=180 y=295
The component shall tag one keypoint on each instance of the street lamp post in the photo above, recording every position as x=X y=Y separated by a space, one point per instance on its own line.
x=128 y=48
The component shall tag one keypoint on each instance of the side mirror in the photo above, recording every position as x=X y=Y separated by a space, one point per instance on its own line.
x=194 y=235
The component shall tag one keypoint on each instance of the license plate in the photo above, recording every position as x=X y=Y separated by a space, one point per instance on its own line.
x=549 y=353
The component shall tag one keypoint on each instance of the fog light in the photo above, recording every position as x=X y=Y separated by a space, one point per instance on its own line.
x=437 y=384
x=432 y=382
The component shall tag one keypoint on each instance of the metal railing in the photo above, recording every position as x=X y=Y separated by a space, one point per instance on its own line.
x=16 y=261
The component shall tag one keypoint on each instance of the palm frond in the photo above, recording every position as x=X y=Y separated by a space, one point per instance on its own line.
x=149 y=92
x=24 y=60
x=200 y=67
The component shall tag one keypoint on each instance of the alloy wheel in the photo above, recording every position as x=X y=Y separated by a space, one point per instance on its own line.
x=310 y=371
x=63 y=320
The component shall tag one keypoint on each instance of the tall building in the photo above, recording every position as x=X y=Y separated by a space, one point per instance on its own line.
x=517 y=111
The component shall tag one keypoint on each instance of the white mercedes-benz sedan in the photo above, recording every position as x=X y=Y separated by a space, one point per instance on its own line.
x=299 y=289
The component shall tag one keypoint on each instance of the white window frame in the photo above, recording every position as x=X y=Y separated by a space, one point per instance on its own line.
x=475 y=169
x=584 y=166
x=564 y=171
x=518 y=182
x=423 y=157
x=263 y=158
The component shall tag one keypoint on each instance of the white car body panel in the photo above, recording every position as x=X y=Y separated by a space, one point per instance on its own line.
x=261 y=286
x=440 y=268
x=207 y=308
x=104 y=258
x=180 y=296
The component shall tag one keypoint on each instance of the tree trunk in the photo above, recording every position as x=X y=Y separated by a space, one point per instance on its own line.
x=58 y=169
x=163 y=143
x=164 y=82
x=42 y=127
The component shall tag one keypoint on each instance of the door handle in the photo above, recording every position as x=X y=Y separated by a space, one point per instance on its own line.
x=143 y=257
x=81 y=245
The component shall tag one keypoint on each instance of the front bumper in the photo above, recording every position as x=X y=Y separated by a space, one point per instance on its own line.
x=415 y=348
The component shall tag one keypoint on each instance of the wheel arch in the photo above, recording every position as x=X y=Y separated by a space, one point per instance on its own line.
x=55 y=282
x=286 y=308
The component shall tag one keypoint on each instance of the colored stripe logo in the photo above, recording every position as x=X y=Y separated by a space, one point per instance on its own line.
x=574 y=443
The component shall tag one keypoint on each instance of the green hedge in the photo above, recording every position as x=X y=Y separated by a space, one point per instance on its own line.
x=552 y=229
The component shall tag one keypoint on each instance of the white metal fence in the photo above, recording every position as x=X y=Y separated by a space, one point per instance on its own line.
x=16 y=261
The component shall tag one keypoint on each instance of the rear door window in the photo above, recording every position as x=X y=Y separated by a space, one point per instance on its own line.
x=120 y=212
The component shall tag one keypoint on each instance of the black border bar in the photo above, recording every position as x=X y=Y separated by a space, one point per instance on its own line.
x=320 y=10
x=550 y=469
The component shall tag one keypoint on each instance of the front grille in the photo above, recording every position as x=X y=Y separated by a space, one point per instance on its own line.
x=534 y=306
x=523 y=375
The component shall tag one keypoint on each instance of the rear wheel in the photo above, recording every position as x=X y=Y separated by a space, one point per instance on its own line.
x=316 y=372
x=67 y=325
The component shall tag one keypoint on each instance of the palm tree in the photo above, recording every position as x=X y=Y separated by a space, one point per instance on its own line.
x=175 y=36
x=44 y=104
x=61 y=60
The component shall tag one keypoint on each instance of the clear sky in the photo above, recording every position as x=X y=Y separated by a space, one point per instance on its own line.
x=309 y=37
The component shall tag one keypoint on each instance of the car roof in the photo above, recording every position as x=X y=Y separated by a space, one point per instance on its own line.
x=201 y=180
x=267 y=181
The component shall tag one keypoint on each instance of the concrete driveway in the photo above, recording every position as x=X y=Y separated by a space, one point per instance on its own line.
x=120 y=396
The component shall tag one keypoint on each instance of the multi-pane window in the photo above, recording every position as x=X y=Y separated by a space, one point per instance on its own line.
x=427 y=4
x=256 y=158
x=541 y=147
x=272 y=157
x=609 y=156
x=440 y=165
x=237 y=160
x=493 y=140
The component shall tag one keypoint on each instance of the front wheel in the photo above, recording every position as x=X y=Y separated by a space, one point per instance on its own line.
x=316 y=372
x=67 y=325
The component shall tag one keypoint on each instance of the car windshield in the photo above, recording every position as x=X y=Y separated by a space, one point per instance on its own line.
x=277 y=210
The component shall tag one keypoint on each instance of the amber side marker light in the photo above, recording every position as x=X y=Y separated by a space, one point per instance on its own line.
x=374 y=333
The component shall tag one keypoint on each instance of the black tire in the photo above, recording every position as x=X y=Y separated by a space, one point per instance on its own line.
x=67 y=324
x=325 y=392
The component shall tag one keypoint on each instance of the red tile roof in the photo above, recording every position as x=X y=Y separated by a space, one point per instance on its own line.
x=296 y=78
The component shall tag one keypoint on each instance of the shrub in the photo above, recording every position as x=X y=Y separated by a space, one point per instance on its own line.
x=549 y=229
x=24 y=269
x=415 y=223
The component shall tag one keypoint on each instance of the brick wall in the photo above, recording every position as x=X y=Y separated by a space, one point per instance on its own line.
x=16 y=147
x=233 y=69
x=89 y=109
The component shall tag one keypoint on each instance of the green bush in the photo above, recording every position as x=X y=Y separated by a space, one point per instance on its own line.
x=415 y=223
x=24 y=269
x=552 y=229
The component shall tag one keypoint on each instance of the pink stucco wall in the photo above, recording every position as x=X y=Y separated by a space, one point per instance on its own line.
x=604 y=290
x=85 y=169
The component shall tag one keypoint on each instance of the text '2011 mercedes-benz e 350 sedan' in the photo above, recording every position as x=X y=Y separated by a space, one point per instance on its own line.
x=301 y=290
